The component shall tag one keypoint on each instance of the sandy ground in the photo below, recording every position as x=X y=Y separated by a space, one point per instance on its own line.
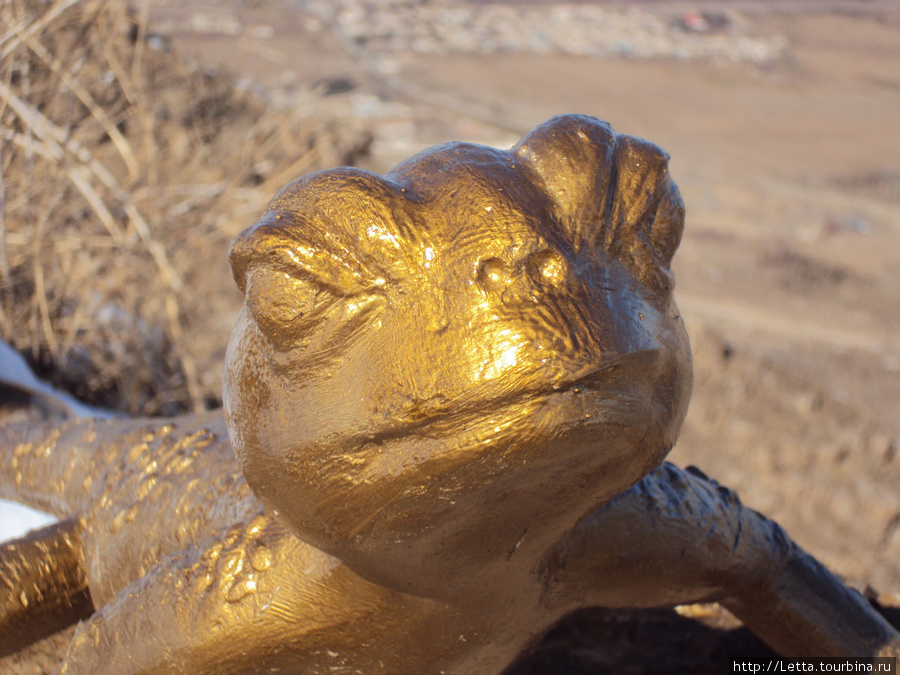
x=789 y=273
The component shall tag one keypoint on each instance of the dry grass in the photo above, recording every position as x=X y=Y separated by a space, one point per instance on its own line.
x=125 y=175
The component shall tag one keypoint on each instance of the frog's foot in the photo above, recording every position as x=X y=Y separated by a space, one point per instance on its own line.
x=43 y=587
x=678 y=537
x=223 y=603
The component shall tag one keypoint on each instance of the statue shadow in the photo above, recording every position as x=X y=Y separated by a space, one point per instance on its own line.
x=645 y=642
x=702 y=640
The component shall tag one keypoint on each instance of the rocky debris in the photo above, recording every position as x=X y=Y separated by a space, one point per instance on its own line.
x=411 y=27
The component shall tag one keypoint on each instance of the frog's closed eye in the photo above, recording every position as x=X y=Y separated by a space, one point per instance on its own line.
x=297 y=312
x=285 y=306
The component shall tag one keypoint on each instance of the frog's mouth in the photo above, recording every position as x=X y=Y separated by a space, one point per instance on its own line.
x=619 y=392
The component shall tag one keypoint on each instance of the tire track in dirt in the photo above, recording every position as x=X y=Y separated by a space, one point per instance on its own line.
x=711 y=311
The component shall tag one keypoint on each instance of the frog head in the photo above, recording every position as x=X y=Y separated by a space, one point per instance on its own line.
x=439 y=371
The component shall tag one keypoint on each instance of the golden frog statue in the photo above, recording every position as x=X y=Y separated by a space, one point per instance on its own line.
x=448 y=400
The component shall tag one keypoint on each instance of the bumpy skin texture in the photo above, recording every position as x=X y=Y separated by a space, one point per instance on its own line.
x=448 y=396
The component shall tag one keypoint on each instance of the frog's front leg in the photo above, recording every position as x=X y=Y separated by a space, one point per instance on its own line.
x=226 y=605
x=43 y=587
x=679 y=537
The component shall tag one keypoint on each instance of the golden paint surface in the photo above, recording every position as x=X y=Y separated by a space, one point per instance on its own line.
x=448 y=400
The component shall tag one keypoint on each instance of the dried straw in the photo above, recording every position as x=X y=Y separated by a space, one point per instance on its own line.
x=123 y=176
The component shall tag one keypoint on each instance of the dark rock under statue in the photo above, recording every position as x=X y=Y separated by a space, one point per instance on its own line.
x=448 y=400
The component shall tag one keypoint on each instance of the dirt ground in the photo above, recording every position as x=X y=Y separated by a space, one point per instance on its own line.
x=789 y=273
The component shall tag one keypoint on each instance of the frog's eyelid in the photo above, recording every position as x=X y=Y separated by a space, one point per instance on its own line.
x=338 y=283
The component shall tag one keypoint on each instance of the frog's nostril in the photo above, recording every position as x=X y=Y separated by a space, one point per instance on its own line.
x=549 y=267
x=493 y=275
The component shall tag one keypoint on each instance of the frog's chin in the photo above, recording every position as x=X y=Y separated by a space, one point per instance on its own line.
x=426 y=506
